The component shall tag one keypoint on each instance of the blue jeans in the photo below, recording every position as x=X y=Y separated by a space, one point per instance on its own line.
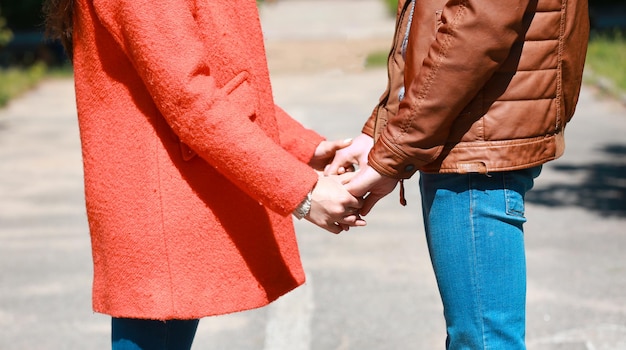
x=475 y=238
x=135 y=334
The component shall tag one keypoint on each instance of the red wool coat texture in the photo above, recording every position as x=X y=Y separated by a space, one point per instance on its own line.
x=191 y=171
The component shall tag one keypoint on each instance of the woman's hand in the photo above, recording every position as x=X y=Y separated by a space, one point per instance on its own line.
x=332 y=207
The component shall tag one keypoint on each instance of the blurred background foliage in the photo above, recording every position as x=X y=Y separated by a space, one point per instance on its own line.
x=22 y=14
x=26 y=57
x=5 y=33
x=25 y=45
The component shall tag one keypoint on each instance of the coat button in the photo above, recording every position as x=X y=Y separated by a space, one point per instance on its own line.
x=409 y=167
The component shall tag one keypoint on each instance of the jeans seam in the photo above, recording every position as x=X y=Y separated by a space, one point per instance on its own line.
x=475 y=276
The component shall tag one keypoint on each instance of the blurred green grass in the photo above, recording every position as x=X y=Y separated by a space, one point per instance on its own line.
x=606 y=61
x=15 y=81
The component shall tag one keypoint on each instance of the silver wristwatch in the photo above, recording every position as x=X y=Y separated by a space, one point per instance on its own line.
x=303 y=209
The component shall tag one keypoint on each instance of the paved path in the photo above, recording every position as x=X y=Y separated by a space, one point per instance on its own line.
x=368 y=289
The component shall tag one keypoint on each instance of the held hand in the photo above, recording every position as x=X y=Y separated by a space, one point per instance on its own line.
x=369 y=181
x=332 y=207
x=355 y=153
x=325 y=152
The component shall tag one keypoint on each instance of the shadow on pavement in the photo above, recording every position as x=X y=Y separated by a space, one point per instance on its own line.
x=602 y=191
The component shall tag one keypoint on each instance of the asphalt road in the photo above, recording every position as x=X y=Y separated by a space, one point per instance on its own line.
x=367 y=289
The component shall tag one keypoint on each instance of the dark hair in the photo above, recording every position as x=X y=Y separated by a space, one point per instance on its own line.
x=59 y=22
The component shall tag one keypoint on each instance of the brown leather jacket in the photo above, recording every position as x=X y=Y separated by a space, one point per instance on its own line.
x=487 y=85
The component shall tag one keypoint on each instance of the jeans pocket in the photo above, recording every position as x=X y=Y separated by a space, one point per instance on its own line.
x=516 y=184
x=514 y=190
x=514 y=203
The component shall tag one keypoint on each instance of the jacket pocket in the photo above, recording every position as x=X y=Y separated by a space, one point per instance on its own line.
x=238 y=93
x=232 y=85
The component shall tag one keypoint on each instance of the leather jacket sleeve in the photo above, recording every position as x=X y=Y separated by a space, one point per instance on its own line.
x=471 y=40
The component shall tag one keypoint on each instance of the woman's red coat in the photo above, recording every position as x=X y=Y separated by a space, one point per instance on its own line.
x=191 y=171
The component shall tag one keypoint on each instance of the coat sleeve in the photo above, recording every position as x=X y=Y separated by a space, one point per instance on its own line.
x=295 y=138
x=162 y=41
x=472 y=41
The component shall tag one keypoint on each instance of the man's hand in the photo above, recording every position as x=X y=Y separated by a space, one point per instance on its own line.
x=325 y=152
x=369 y=181
x=354 y=154
x=332 y=207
